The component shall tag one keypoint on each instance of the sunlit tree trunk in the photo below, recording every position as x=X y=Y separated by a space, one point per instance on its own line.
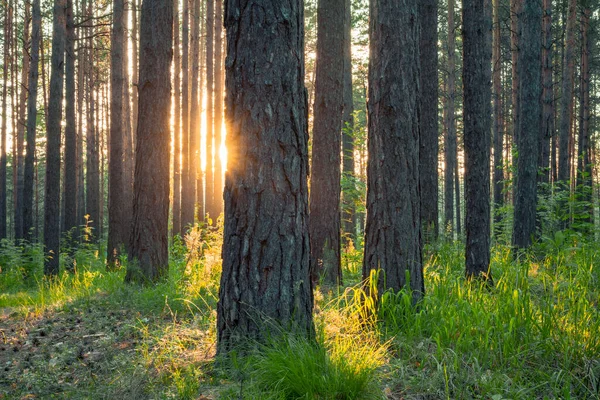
x=149 y=254
x=450 y=139
x=176 y=123
x=187 y=192
x=8 y=20
x=265 y=278
x=218 y=109
x=211 y=147
x=195 y=111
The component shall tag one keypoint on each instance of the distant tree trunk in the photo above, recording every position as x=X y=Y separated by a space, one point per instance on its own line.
x=149 y=254
x=265 y=276
x=324 y=201
x=476 y=116
x=81 y=61
x=547 y=131
x=428 y=101
x=187 y=192
x=28 y=175
x=584 y=168
x=70 y=181
x=135 y=70
x=566 y=98
x=117 y=207
x=128 y=135
x=210 y=147
x=176 y=124
x=8 y=20
x=52 y=195
x=393 y=231
x=195 y=110
x=218 y=109
x=349 y=209
x=515 y=13
x=18 y=162
x=530 y=113
x=450 y=139
x=498 y=125
x=457 y=201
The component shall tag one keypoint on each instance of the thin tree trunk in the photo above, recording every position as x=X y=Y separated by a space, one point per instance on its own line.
x=187 y=192
x=450 y=139
x=547 y=131
x=211 y=148
x=52 y=195
x=8 y=21
x=28 y=178
x=515 y=12
x=195 y=111
x=477 y=129
x=498 y=125
x=176 y=124
x=218 y=111
x=566 y=105
x=149 y=254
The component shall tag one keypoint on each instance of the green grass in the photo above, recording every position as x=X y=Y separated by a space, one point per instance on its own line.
x=535 y=334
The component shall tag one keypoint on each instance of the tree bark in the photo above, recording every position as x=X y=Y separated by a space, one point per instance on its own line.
x=450 y=139
x=428 y=116
x=324 y=201
x=530 y=116
x=210 y=146
x=218 y=110
x=187 y=192
x=477 y=129
x=149 y=254
x=117 y=207
x=176 y=124
x=498 y=125
x=28 y=174
x=8 y=21
x=547 y=131
x=195 y=111
x=566 y=99
x=266 y=248
x=52 y=195
x=393 y=230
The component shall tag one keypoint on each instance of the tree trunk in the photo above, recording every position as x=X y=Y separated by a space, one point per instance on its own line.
x=530 y=115
x=210 y=146
x=70 y=181
x=566 y=98
x=52 y=195
x=176 y=124
x=266 y=248
x=515 y=13
x=476 y=116
x=28 y=175
x=348 y=208
x=149 y=253
x=324 y=201
x=218 y=111
x=8 y=20
x=117 y=207
x=393 y=231
x=547 y=131
x=187 y=192
x=195 y=111
x=428 y=107
x=450 y=139
x=498 y=125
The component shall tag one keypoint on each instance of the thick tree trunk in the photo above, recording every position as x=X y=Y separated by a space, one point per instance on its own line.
x=149 y=254
x=393 y=231
x=28 y=175
x=324 y=201
x=70 y=181
x=566 y=98
x=210 y=146
x=477 y=129
x=428 y=115
x=176 y=124
x=530 y=116
x=498 y=125
x=450 y=139
x=349 y=209
x=265 y=277
x=117 y=208
x=187 y=191
x=52 y=195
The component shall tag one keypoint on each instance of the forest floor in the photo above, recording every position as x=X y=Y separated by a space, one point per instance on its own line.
x=88 y=335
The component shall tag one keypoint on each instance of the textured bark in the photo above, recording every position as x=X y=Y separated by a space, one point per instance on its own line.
x=477 y=129
x=324 y=201
x=135 y=7
x=93 y=199
x=128 y=137
x=81 y=62
x=393 y=230
x=210 y=147
x=450 y=139
x=70 y=181
x=428 y=119
x=149 y=255
x=52 y=194
x=566 y=98
x=3 y=135
x=265 y=277
x=547 y=131
x=498 y=124
x=176 y=123
x=28 y=175
x=21 y=124
x=195 y=112
x=349 y=209
x=117 y=207
x=218 y=110
x=530 y=116
x=187 y=191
